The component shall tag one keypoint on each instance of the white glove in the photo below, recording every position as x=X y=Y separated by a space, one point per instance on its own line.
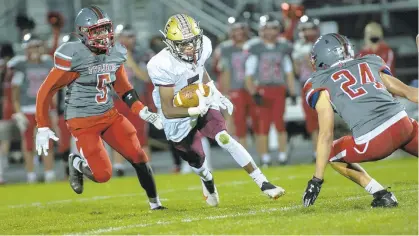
x=151 y=117
x=42 y=139
x=21 y=121
x=203 y=106
x=223 y=102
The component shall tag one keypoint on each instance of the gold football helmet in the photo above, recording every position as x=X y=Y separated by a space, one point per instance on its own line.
x=182 y=32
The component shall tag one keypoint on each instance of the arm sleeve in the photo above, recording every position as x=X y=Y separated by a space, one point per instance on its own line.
x=122 y=87
x=251 y=65
x=288 y=64
x=55 y=80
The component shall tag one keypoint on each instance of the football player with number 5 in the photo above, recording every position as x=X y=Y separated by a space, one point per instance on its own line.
x=361 y=92
x=90 y=68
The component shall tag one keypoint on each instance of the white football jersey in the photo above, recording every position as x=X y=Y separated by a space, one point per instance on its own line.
x=166 y=70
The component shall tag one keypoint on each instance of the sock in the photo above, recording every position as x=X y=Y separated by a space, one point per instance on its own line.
x=119 y=166
x=373 y=186
x=145 y=176
x=266 y=158
x=49 y=176
x=2 y=162
x=154 y=202
x=76 y=163
x=203 y=172
x=207 y=150
x=258 y=177
x=31 y=177
x=236 y=150
x=282 y=156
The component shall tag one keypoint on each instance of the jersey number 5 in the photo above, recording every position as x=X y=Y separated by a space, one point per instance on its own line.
x=349 y=81
x=102 y=81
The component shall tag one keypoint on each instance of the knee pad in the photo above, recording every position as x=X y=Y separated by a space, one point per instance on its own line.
x=225 y=140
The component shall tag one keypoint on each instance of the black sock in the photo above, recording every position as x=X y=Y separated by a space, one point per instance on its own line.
x=145 y=176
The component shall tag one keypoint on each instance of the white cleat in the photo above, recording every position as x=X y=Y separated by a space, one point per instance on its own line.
x=212 y=199
x=272 y=191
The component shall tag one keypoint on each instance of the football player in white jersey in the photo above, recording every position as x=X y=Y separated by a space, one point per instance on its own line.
x=181 y=64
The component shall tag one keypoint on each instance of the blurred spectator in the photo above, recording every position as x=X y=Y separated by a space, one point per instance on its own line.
x=6 y=53
x=308 y=31
x=138 y=77
x=29 y=72
x=291 y=14
x=374 y=44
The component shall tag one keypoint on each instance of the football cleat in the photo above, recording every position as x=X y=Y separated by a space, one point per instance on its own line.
x=159 y=208
x=120 y=172
x=75 y=177
x=272 y=191
x=384 y=198
x=210 y=193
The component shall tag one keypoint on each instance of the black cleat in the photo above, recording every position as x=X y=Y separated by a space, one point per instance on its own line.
x=384 y=198
x=159 y=208
x=75 y=177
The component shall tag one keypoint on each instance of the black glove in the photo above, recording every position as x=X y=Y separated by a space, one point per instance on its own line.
x=258 y=99
x=293 y=100
x=312 y=191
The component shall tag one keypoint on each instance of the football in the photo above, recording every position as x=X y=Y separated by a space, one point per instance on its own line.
x=187 y=96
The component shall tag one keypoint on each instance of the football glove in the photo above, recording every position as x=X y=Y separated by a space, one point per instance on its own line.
x=258 y=99
x=21 y=121
x=151 y=117
x=312 y=191
x=219 y=99
x=204 y=105
x=42 y=140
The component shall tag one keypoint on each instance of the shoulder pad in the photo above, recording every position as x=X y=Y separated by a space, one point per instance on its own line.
x=159 y=69
x=120 y=52
x=16 y=60
x=64 y=55
x=206 y=48
x=373 y=58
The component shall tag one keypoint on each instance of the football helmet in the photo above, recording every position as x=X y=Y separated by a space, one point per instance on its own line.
x=182 y=33
x=95 y=29
x=329 y=49
x=308 y=29
x=373 y=33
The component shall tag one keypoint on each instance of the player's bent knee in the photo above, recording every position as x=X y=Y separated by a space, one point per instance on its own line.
x=103 y=176
x=224 y=140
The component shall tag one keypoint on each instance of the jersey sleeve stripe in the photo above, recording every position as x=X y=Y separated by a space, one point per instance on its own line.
x=62 y=55
x=62 y=68
x=165 y=85
x=62 y=62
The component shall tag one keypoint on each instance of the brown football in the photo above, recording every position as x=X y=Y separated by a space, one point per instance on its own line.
x=187 y=96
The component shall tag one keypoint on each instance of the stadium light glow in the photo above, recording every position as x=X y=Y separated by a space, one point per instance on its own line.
x=263 y=19
x=27 y=36
x=66 y=38
x=304 y=19
x=119 y=28
x=231 y=20
x=285 y=6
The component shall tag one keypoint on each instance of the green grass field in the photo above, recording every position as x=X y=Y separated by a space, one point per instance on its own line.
x=120 y=206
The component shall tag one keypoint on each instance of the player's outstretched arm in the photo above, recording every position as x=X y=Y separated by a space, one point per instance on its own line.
x=396 y=87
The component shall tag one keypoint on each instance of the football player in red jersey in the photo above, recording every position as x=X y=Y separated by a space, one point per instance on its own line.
x=90 y=68
x=360 y=91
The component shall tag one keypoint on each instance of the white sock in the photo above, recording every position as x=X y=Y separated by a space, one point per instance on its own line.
x=266 y=158
x=154 y=202
x=203 y=172
x=76 y=163
x=282 y=156
x=31 y=176
x=258 y=177
x=373 y=186
x=119 y=166
x=236 y=150
x=49 y=176
x=207 y=150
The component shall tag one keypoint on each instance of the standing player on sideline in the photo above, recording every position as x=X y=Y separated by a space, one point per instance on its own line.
x=29 y=72
x=231 y=64
x=361 y=92
x=308 y=33
x=181 y=64
x=268 y=70
x=90 y=68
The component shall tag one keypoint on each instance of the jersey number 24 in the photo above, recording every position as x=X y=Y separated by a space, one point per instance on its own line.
x=349 y=81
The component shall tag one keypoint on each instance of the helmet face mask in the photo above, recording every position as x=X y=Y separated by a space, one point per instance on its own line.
x=184 y=38
x=95 y=29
